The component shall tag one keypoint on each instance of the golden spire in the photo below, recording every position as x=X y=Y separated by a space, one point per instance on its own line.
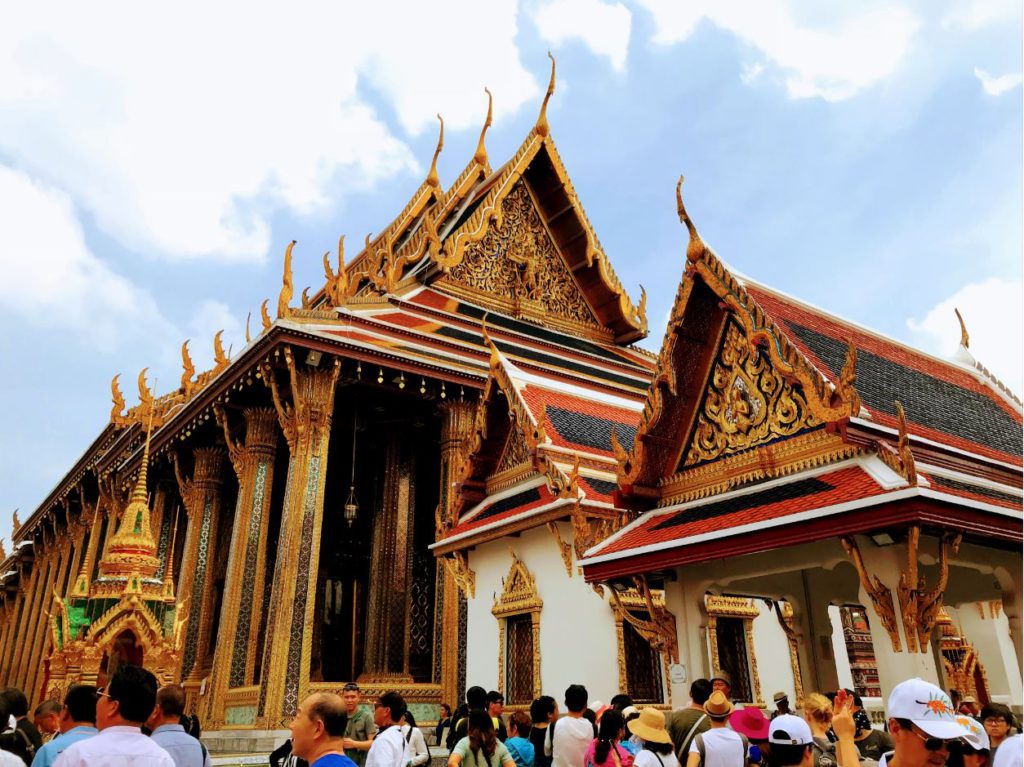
x=265 y=314
x=695 y=248
x=965 y=340
x=169 y=566
x=187 y=368
x=542 y=126
x=432 y=178
x=480 y=158
x=287 y=290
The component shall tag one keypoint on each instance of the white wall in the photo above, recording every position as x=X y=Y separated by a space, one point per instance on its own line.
x=843 y=670
x=774 y=669
x=990 y=636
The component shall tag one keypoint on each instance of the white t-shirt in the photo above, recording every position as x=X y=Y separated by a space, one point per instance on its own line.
x=571 y=740
x=722 y=748
x=645 y=758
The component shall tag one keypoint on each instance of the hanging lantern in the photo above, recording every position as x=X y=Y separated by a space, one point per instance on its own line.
x=351 y=506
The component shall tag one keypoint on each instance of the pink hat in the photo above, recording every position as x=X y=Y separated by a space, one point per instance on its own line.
x=751 y=722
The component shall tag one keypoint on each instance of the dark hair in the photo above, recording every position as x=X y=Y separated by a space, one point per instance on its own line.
x=521 y=721
x=46 y=708
x=576 y=698
x=786 y=754
x=495 y=697
x=409 y=718
x=542 y=708
x=445 y=707
x=171 y=698
x=350 y=687
x=395 y=703
x=700 y=691
x=589 y=715
x=608 y=733
x=476 y=697
x=134 y=688
x=958 y=749
x=996 y=709
x=481 y=735
x=17 y=703
x=81 y=703
x=330 y=710
x=620 y=701
x=658 y=748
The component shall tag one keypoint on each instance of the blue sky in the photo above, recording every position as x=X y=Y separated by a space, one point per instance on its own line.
x=865 y=157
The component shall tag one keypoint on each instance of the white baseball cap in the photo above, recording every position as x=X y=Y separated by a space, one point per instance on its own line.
x=789 y=730
x=928 y=707
x=978 y=738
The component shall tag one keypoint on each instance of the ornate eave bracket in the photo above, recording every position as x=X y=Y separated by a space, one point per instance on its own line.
x=919 y=605
x=878 y=592
x=660 y=629
x=457 y=565
x=900 y=458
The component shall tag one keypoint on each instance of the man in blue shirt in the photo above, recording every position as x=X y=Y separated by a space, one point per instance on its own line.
x=77 y=722
x=165 y=722
x=318 y=731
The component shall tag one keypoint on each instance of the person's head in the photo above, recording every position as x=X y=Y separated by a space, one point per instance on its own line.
x=128 y=698
x=495 y=703
x=476 y=697
x=519 y=725
x=997 y=719
x=408 y=718
x=575 y=698
x=543 y=710
x=481 y=734
x=818 y=711
x=700 y=691
x=388 y=709
x=79 y=707
x=718 y=708
x=954 y=695
x=620 y=701
x=17 y=703
x=790 y=742
x=446 y=711
x=858 y=702
x=351 y=696
x=922 y=723
x=629 y=713
x=169 y=708
x=750 y=721
x=781 y=701
x=46 y=717
x=609 y=732
x=318 y=726
x=722 y=682
x=972 y=752
x=650 y=728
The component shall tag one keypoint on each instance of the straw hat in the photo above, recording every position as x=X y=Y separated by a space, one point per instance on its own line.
x=650 y=726
x=718 y=706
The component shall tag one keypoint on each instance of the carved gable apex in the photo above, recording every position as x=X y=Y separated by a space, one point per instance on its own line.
x=519 y=591
x=516 y=461
x=517 y=268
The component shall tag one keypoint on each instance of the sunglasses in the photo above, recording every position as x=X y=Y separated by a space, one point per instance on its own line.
x=934 y=744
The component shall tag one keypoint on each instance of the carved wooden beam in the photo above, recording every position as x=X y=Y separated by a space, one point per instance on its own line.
x=878 y=593
x=659 y=629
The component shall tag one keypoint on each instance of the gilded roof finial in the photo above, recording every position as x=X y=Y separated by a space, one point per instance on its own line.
x=220 y=359
x=187 y=368
x=695 y=248
x=542 y=126
x=480 y=158
x=248 y=336
x=336 y=286
x=15 y=523
x=287 y=290
x=3 y=551
x=145 y=396
x=432 y=178
x=965 y=340
x=906 y=455
x=117 y=411
x=265 y=314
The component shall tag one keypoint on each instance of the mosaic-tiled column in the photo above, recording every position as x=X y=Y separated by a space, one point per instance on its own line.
x=253 y=462
x=304 y=410
x=450 y=640
x=40 y=567
x=201 y=496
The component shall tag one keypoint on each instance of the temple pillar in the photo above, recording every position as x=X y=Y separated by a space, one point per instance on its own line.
x=253 y=462
x=306 y=423
x=41 y=569
x=456 y=425
x=11 y=643
x=386 y=651
x=201 y=496
x=58 y=560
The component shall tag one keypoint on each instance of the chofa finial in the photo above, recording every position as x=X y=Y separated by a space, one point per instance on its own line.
x=542 y=127
x=695 y=248
x=432 y=178
x=965 y=339
x=480 y=158
x=287 y=290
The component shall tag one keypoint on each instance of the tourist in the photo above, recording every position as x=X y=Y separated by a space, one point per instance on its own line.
x=722 y=682
x=46 y=719
x=388 y=747
x=719 y=746
x=543 y=712
x=318 y=730
x=282 y=756
x=170 y=734
x=444 y=723
x=13 y=746
x=970 y=706
x=781 y=701
x=657 y=751
x=604 y=750
x=121 y=709
x=17 y=705
x=360 y=729
x=818 y=713
x=495 y=707
x=752 y=724
x=845 y=728
x=621 y=701
x=77 y=721
x=480 y=747
x=569 y=736
x=685 y=724
x=871 y=743
x=1011 y=754
x=519 y=745
x=476 y=698
x=921 y=722
x=998 y=719
x=790 y=742
x=631 y=742
x=417 y=752
x=970 y=752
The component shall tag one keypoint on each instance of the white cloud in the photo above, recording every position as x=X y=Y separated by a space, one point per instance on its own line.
x=994 y=315
x=182 y=129
x=834 y=61
x=972 y=15
x=603 y=27
x=997 y=85
x=49 y=278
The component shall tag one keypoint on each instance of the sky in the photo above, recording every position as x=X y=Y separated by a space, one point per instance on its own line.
x=155 y=161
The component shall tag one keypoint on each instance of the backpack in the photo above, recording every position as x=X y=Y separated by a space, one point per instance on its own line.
x=684 y=747
x=699 y=740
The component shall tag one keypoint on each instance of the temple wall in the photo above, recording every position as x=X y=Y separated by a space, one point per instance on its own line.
x=771 y=648
x=987 y=630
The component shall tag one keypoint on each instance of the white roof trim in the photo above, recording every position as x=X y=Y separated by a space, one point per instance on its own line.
x=970 y=479
x=505 y=521
x=508 y=492
x=983 y=506
x=942 y=445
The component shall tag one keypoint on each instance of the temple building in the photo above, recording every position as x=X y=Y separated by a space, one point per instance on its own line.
x=452 y=465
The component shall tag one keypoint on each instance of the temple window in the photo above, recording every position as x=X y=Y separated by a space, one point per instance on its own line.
x=518 y=613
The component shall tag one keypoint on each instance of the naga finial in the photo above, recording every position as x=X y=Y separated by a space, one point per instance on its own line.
x=432 y=178
x=965 y=339
x=695 y=248
x=480 y=158
x=117 y=411
x=187 y=368
x=306 y=300
x=248 y=335
x=16 y=523
x=265 y=314
x=542 y=126
x=145 y=396
x=220 y=359
x=641 y=309
x=287 y=290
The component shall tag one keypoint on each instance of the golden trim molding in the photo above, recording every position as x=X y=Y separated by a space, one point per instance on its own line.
x=518 y=597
